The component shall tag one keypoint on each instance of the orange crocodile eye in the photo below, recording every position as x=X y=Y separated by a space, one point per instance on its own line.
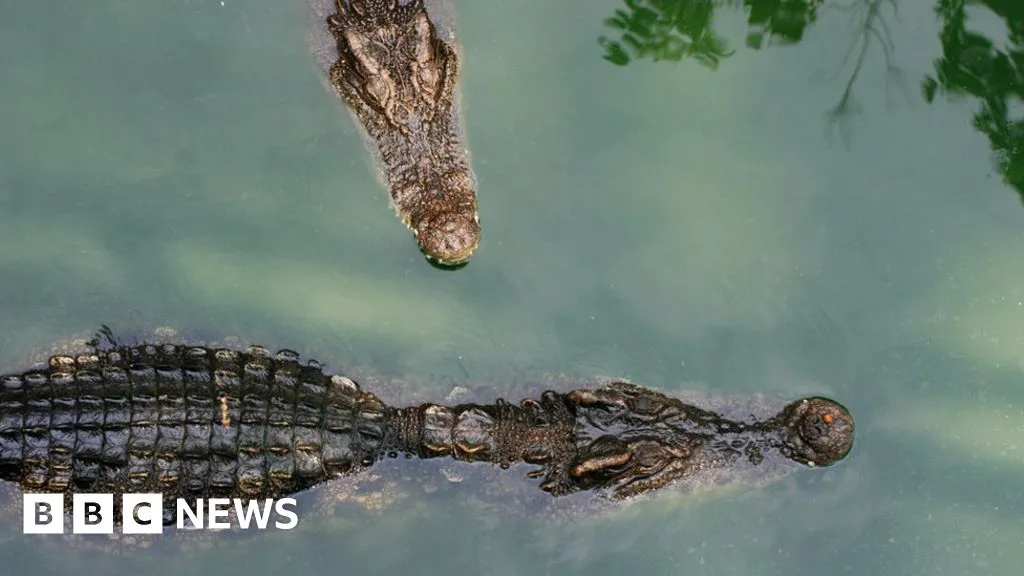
x=827 y=418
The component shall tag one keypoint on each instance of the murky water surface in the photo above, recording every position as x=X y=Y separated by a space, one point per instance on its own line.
x=731 y=197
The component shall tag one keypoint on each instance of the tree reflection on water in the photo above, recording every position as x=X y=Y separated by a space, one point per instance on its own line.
x=971 y=64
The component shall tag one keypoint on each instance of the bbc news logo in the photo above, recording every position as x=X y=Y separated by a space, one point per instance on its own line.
x=144 y=513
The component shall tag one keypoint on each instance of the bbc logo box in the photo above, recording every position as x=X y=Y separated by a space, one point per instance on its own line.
x=93 y=513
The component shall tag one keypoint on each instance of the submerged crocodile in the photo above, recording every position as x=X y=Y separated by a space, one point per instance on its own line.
x=398 y=76
x=200 y=422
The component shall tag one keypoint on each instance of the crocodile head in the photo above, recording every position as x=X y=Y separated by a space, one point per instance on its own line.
x=631 y=440
x=398 y=77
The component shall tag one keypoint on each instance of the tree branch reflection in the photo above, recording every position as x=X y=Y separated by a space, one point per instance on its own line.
x=665 y=30
x=971 y=64
x=975 y=65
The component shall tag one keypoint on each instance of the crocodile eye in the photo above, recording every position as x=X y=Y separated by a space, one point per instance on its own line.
x=378 y=90
x=648 y=458
x=645 y=405
x=428 y=78
x=367 y=57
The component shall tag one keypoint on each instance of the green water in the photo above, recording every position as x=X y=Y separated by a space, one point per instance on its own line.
x=784 y=218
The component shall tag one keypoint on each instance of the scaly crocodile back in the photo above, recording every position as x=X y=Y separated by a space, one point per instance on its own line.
x=186 y=421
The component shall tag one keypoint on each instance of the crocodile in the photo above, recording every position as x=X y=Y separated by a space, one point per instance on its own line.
x=198 y=422
x=396 y=68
